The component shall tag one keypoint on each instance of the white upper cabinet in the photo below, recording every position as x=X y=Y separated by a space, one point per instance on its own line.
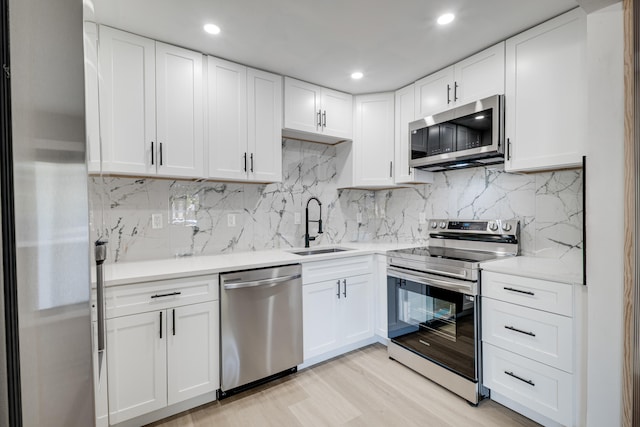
x=264 y=91
x=367 y=162
x=546 y=97
x=179 y=112
x=92 y=109
x=227 y=114
x=405 y=114
x=245 y=119
x=127 y=102
x=150 y=106
x=316 y=114
x=473 y=78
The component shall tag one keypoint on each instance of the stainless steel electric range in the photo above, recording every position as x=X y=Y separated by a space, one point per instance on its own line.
x=433 y=304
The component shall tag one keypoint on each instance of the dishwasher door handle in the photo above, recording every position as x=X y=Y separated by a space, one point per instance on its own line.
x=264 y=282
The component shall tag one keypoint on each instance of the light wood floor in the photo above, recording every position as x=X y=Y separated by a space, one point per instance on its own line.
x=361 y=388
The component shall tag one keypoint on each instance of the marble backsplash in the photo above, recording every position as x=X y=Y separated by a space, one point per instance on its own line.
x=197 y=217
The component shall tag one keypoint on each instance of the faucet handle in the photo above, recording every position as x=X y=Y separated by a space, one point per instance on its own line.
x=320 y=226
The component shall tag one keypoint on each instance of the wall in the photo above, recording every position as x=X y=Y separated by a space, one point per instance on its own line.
x=548 y=204
x=605 y=219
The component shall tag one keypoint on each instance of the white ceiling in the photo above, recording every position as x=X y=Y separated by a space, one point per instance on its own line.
x=392 y=42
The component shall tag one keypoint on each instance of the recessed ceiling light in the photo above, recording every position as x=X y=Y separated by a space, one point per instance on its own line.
x=445 y=19
x=480 y=117
x=212 y=29
x=357 y=75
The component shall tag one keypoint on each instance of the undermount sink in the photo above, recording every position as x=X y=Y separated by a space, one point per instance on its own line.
x=320 y=251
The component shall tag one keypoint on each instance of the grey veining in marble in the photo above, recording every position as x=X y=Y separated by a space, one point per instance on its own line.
x=197 y=216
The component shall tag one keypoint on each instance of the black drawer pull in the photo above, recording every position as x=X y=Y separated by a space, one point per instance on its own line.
x=160 y=325
x=511 y=328
x=518 y=291
x=165 y=295
x=511 y=374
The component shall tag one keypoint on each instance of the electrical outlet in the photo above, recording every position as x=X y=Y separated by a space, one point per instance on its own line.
x=359 y=217
x=231 y=220
x=297 y=218
x=422 y=218
x=156 y=220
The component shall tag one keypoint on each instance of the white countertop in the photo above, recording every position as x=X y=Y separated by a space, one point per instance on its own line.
x=144 y=271
x=557 y=270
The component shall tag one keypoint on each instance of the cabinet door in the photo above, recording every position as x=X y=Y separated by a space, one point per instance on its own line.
x=480 y=75
x=227 y=104
x=320 y=317
x=356 y=309
x=136 y=364
x=337 y=114
x=264 y=92
x=127 y=90
x=434 y=93
x=179 y=111
x=192 y=351
x=373 y=139
x=92 y=109
x=546 y=95
x=301 y=106
x=404 y=114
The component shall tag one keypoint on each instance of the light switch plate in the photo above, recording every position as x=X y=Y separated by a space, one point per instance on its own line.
x=422 y=218
x=156 y=220
x=231 y=220
x=296 y=218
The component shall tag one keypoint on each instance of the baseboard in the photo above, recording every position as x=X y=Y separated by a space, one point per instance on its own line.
x=337 y=352
x=523 y=410
x=168 y=411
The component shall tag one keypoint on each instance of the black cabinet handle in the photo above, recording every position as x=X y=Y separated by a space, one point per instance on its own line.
x=165 y=295
x=455 y=91
x=511 y=328
x=173 y=314
x=251 y=162
x=319 y=118
x=161 y=154
x=511 y=374
x=448 y=91
x=324 y=119
x=508 y=149
x=245 y=162
x=160 y=325
x=152 y=153
x=338 y=289
x=518 y=291
x=391 y=169
x=344 y=282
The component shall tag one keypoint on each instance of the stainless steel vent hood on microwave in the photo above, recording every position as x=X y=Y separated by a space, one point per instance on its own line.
x=466 y=136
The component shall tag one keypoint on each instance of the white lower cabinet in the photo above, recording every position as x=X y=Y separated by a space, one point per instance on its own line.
x=530 y=346
x=338 y=312
x=163 y=355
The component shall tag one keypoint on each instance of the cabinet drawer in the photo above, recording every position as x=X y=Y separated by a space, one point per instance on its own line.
x=544 y=295
x=141 y=297
x=536 y=334
x=539 y=387
x=313 y=272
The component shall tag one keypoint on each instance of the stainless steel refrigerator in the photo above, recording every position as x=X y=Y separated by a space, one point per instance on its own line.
x=46 y=376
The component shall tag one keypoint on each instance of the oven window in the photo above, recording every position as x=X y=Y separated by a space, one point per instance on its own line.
x=435 y=323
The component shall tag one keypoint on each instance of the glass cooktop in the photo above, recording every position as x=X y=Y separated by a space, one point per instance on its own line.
x=447 y=253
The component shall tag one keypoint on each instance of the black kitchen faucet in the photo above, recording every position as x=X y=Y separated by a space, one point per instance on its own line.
x=308 y=238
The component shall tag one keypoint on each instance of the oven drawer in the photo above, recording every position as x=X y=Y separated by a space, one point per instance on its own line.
x=539 y=387
x=544 y=295
x=536 y=334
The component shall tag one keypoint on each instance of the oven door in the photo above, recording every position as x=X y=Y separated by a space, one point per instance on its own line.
x=434 y=318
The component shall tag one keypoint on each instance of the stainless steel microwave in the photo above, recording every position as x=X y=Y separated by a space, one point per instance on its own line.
x=466 y=136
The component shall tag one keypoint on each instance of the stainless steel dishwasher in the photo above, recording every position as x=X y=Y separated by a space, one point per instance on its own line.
x=260 y=326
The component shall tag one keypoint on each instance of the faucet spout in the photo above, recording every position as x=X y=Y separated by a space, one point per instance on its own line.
x=308 y=238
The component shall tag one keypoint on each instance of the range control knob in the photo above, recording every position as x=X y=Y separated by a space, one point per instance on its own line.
x=434 y=224
x=493 y=226
x=506 y=226
x=443 y=224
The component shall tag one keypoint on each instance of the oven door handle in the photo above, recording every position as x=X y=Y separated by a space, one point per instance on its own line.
x=429 y=280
